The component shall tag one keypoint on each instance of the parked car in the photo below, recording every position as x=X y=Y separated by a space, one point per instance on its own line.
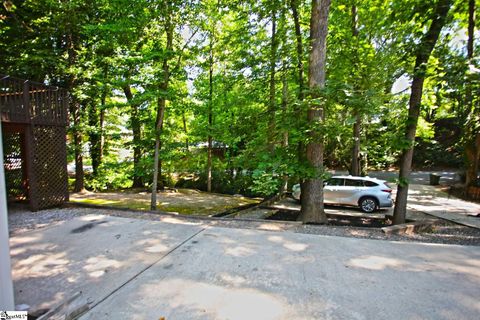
x=369 y=194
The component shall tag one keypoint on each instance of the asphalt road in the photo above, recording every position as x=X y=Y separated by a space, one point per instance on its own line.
x=416 y=177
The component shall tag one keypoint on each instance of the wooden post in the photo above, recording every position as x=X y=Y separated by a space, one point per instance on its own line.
x=30 y=149
x=6 y=287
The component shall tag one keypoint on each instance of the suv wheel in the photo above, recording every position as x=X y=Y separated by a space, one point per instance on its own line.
x=368 y=204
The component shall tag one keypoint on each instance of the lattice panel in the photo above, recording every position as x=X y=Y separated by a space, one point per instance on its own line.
x=13 y=163
x=36 y=115
x=49 y=166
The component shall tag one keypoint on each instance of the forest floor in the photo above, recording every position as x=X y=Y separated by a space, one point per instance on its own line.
x=181 y=201
x=195 y=202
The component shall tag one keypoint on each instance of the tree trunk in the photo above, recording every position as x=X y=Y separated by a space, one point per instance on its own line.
x=137 y=136
x=272 y=97
x=312 y=189
x=102 y=133
x=299 y=48
x=472 y=145
x=357 y=130
x=284 y=185
x=210 y=116
x=355 y=168
x=472 y=156
x=471 y=28
x=422 y=55
x=161 y=103
x=102 y=113
x=75 y=112
x=184 y=120
x=477 y=157
x=94 y=135
x=77 y=141
x=301 y=82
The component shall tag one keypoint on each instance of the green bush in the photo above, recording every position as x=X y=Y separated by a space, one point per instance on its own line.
x=222 y=182
x=110 y=176
x=265 y=183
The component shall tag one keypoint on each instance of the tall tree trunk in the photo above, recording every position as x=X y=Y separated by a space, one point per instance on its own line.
x=355 y=168
x=103 y=107
x=299 y=48
x=301 y=81
x=357 y=132
x=137 y=136
x=75 y=112
x=94 y=135
x=424 y=50
x=210 y=115
x=102 y=131
x=272 y=96
x=284 y=185
x=312 y=189
x=472 y=145
x=184 y=120
x=161 y=103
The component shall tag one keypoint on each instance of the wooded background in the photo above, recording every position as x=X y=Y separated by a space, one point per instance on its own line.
x=214 y=94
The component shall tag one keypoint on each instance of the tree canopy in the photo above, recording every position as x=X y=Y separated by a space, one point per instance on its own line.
x=215 y=94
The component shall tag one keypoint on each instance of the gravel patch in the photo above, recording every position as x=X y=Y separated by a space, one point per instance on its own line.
x=21 y=220
x=445 y=233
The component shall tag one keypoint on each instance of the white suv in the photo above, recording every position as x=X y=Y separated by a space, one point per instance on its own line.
x=369 y=194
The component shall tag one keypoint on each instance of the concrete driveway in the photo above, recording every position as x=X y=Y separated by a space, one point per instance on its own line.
x=94 y=254
x=139 y=269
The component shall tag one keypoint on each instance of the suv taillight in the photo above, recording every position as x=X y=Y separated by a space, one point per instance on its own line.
x=387 y=190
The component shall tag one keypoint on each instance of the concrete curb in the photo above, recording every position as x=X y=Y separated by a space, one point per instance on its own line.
x=410 y=227
x=234 y=211
x=178 y=216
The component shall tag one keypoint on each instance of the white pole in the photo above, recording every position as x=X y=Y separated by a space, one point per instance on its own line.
x=6 y=284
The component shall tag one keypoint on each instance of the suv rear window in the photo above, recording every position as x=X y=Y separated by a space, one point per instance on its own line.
x=370 y=183
x=334 y=182
x=353 y=183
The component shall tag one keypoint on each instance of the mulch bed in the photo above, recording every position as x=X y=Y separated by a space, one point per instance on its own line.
x=336 y=220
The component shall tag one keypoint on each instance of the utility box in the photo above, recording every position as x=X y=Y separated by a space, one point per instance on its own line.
x=434 y=179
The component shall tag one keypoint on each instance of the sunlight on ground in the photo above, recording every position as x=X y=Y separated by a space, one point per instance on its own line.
x=218 y=302
x=469 y=267
x=375 y=263
x=173 y=220
x=293 y=246
x=239 y=251
x=97 y=266
x=270 y=227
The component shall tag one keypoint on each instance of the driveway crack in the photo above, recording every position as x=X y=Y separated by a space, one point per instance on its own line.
x=146 y=268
